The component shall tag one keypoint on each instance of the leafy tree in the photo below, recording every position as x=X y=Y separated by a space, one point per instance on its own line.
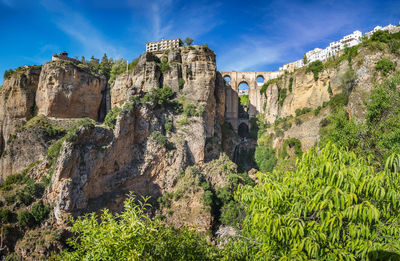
x=333 y=206
x=265 y=158
x=40 y=212
x=105 y=66
x=244 y=100
x=188 y=41
x=8 y=73
x=315 y=67
x=24 y=218
x=117 y=68
x=385 y=66
x=131 y=235
x=111 y=117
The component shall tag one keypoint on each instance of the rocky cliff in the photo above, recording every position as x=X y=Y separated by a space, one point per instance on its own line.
x=60 y=89
x=356 y=75
x=150 y=145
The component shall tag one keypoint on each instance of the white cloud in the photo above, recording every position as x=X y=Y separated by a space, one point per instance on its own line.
x=80 y=29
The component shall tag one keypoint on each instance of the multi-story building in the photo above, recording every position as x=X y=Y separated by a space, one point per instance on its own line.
x=163 y=45
x=323 y=54
x=391 y=28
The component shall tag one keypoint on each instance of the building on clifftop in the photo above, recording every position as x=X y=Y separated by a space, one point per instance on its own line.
x=163 y=45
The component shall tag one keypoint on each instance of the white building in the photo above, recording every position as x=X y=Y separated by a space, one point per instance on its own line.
x=243 y=92
x=349 y=40
x=163 y=45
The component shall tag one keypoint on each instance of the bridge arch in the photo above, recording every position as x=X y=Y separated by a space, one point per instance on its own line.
x=256 y=100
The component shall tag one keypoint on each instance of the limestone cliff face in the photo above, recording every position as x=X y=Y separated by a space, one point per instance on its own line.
x=17 y=105
x=310 y=93
x=101 y=165
x=67 y=91
x=17 y=100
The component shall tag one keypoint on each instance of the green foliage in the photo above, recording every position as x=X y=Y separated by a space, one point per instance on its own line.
x=159 y=138
x=160 y=96
x=315 y=67
x=133 y=64
x=208 y=198
x=379 y=135
x=290 y=84
x=265 y=86
x=5 y=215
x=131 y=235
x=168 y=125
x=282 y=95
x=181 y=83
x=385 y=66
x=348 y=81
x=24 y=218
x=188 y=41
x=54 y=151
x=339 y=100
x=265 y=158
x=118 y=67
x=341 y=130
x=317 y=110
x=40 y=212
x=41 y=122
x=8 y=73
x=333 y=206
x=298 y=121
x=305 y=61
x=164 y=66
x=189 y=109
x=302 y=111
x=244 y=100
x=111 y=117
x=292 y=143
x=330 y=89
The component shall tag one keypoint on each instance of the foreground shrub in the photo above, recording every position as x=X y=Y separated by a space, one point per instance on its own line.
x=334 y=206
x=111 y=117
x=131 y=235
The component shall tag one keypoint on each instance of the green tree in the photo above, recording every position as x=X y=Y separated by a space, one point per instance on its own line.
x=315 y=67
x=385 y=66
x=131 y=235
x=265 y=158
x=188 y=41
x=105 y=66
x=117 y=68
x=333 y=206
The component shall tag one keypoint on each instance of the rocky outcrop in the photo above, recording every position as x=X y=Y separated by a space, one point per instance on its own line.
x=66 y=90
x=17 y=100
x=310 y=93
x=101 y=165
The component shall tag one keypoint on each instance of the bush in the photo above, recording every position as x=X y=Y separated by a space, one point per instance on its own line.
x=315 y=67
x=24 y=218
x=188 y=41
x=290 y=84
x=282 y=96
x=339 y=100
x=298 y=121
x=159 y=96
x=208 y=198
x=317 y=110
x=332 y=200
x=181 y=83
x=159 y=138
x=189 y=110
x=24 y=198
x=8 y=73
x=330 y=89
x=164 y=66
x=5 y=215
x=168 y=125
x=265 y=158
x=111 y=117
x=385 y=66
x=244 y=100
x=35 y=189
x=292 y=143
x=302 y=111
x=134 y=237
x=40 y=212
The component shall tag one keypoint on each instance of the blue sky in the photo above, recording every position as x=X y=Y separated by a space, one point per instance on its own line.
x=245 y=35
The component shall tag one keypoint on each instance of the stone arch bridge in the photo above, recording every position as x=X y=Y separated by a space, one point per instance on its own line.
x=256 y=100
